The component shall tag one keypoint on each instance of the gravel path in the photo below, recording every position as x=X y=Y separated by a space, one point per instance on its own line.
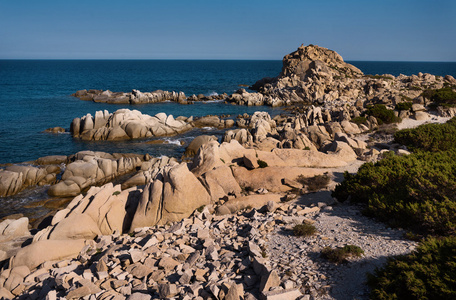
x=298 y=258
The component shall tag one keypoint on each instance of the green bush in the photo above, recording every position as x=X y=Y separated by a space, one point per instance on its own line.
x=417 y=191
x=444 y=96
x=404 y=106
x=340 y=255
x=427 y=273
x=359 y=120
x=429 y=137
x=383 y=114
x=304 y=229
x=262 y=163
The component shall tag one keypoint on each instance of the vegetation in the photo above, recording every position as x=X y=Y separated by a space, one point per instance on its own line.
x=429 y=137
x=201 y=208
x=262 y=163
x=314 y=183
x=427 y=273
x=359 y=120
x=404 y=105
x=415 y=191
x=382 y=114
x=304 y=229
x=116 y=193
x=444 y=96
x=340 y=255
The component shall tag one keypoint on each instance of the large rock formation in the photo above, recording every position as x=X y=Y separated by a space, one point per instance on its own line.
x=93 y=168
x=134 y=97
x=126 y=124
x=173 y=194
x=138 y=97
x=314 y=74
x=16 y=178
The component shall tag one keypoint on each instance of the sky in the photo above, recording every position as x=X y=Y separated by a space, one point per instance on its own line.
x=386 y=30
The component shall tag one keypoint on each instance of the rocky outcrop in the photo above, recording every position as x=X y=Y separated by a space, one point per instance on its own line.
x=103 y=210
x=196 y=143
x=93 y=168
x=173 y=194
x=138 y=97
x=16 y=178
x=126 y=124
x=147 y=171
x=316 y=75
x=134 y=97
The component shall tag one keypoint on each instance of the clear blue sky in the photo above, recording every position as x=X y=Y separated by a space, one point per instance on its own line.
x=395 y=30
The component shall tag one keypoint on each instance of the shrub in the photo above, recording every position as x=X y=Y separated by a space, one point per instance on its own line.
x=359 y=120
x=416 y=191
x=443 y=96
x=201 y=208
x=304 y=230
x=262 y=163
x=404 y=106
x=116 y=193
x=340 y=255
x=315 y=183
x=427 y=273
x=429 y=137
x=382 y=114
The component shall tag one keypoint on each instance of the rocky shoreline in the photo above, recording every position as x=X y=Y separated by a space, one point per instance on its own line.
x=218 y=225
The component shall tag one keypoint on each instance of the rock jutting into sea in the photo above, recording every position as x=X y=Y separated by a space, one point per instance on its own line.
x=317 y=75
x=126 y=124
x=138 y=97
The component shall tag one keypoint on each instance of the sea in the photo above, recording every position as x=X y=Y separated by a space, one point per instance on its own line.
x=36 y=95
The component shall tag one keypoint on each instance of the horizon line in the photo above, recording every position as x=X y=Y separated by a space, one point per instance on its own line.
x=206 y=59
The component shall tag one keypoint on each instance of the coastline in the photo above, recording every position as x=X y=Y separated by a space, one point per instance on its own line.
x=258 y=174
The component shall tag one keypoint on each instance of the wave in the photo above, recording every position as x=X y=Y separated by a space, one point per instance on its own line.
x=173 y=142
x=213 y=93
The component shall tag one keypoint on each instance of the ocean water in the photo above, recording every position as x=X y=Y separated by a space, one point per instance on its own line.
x=35 y=95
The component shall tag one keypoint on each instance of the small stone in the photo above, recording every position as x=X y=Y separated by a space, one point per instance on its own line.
x=269 y=281
x=283 y=294
x=139 y=296
x=168 y=263
x=167 y=290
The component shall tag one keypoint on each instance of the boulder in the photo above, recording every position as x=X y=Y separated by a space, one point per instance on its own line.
x=196 y=143
x=220 y=182
x=173 y=194
x=272 y=179
x=252 y=201
x=39 y=252
x=14 y=228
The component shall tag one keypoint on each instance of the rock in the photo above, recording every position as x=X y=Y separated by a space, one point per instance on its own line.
x=197 y=142
x=219 y=182
x=253 y=201
x=269 y=281
x=92 y=168
x=282 y=294
x=139 y=296
x=55 y=130
x=174 y=194
x=126 y=124
x=14 y=228
x=167 y=290
x=47 y=250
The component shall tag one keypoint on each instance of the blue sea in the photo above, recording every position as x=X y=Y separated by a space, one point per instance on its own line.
x=35 y=95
